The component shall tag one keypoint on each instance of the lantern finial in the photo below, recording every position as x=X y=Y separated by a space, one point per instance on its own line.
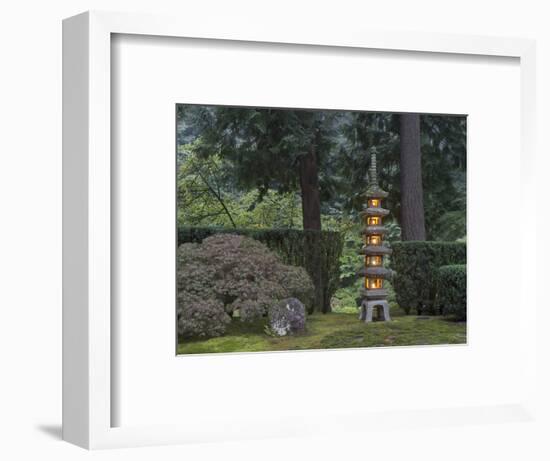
x=372 y=169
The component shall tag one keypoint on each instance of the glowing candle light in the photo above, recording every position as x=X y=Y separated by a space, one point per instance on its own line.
x=374 y=240
x=376 y=260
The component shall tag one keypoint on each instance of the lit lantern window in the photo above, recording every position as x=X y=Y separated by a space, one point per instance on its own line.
x=374 y=221
x=374 y=260
x=372 y=283
x=374 y=240
x=374 y=203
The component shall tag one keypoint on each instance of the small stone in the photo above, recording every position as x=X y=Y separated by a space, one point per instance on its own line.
x=287 y=317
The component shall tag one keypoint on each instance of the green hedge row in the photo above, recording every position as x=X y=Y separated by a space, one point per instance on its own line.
x=451 y=291
x=317 y=251
x=416 y=265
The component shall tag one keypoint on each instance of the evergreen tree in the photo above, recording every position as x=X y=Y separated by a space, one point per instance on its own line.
x=276 y=149
x=412 y=193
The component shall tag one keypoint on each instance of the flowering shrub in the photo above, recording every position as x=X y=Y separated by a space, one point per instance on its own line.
x=202 y=318
x=317 y=251
x=297 y=284
x=232 y=273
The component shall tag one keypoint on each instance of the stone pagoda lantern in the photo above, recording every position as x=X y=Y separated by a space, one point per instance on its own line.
x=373 y=296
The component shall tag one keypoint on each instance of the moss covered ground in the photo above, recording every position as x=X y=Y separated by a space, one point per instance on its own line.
x=333 y=331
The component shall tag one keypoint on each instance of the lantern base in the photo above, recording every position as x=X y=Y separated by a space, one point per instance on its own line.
x=367 y=309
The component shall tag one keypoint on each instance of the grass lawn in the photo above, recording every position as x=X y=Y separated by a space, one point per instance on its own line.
x=332 y=331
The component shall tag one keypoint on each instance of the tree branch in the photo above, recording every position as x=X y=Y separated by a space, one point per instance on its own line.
x=218 y=198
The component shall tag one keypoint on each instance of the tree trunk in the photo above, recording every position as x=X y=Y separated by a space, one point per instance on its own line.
x=412 y=201
x=311 y=210
x=309 y=185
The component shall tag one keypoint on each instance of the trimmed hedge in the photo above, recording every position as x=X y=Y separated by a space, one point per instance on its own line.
x=317 y=251
x=416 y=265
x=451 y=291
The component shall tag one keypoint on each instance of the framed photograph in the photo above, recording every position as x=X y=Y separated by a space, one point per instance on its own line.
x=282 y=219
x=253 y=220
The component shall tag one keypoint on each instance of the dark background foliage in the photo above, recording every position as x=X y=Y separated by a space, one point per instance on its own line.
x=261 y=149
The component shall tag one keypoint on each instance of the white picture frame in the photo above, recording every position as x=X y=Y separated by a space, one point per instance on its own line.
x=87 y=357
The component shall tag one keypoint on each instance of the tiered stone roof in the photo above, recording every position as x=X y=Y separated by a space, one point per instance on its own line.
x=375 y=212
x=375 y=250
x=376 y=271
x=374 y=230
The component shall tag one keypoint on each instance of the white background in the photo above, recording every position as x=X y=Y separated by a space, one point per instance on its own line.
x=30 y=191
x=487 y=89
